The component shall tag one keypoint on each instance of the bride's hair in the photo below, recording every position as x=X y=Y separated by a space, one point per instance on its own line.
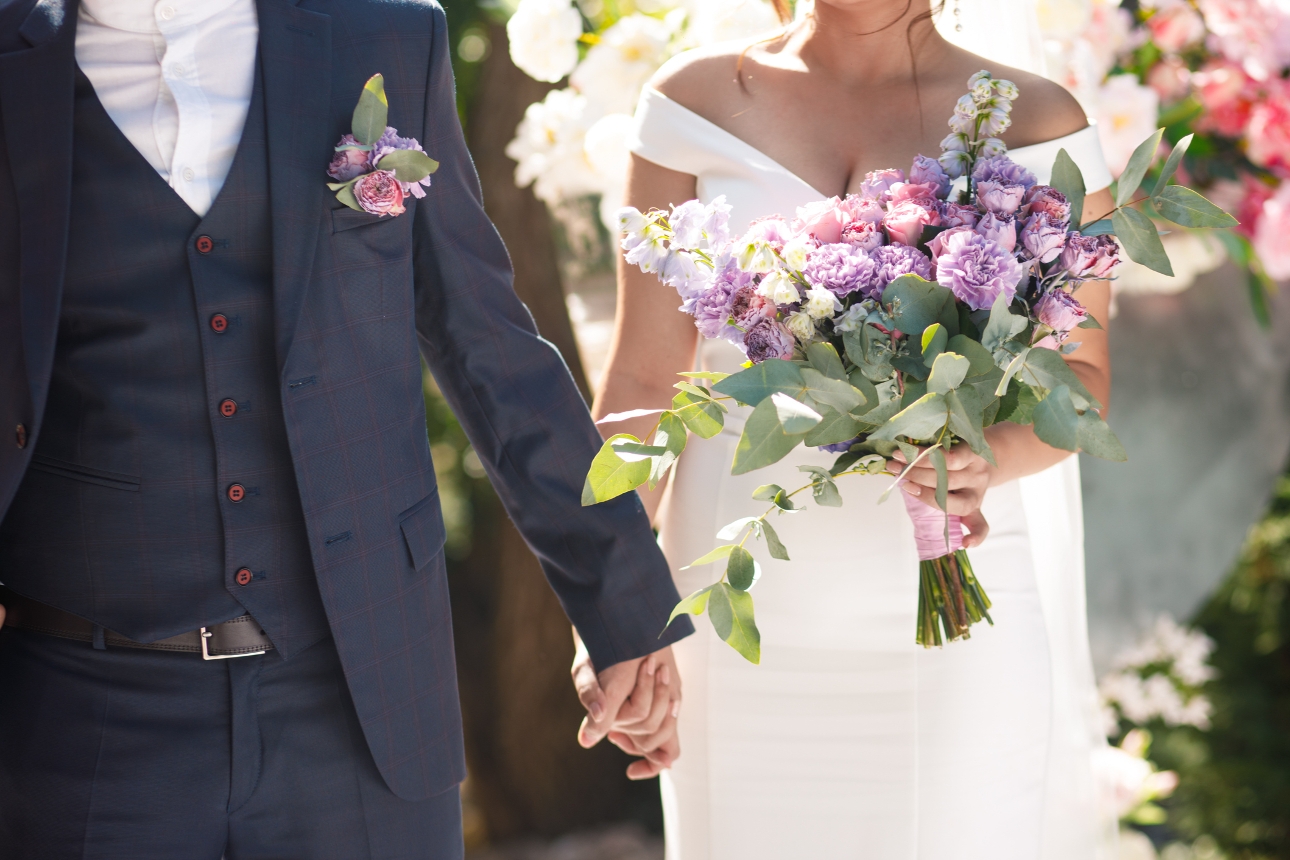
x=781 y=9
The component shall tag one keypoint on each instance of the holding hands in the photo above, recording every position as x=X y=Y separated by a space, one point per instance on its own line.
x=635 y=704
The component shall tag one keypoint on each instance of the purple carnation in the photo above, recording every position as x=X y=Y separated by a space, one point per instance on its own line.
x=977 y=270
x=894 y=261
x=349 y=163
x=1043 y=237
x=841 y=269
x=389 y=142
x=712 y=308
x=1002 y=169
x=768 y=339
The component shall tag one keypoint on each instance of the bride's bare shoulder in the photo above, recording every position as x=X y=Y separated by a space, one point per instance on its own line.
x=705 y=80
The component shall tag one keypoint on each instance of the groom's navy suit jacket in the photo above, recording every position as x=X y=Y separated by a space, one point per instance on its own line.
x=356 y=432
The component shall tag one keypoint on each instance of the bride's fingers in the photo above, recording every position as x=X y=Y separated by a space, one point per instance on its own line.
x=641 y=700
x=660 y=703
x=955 y=480
x=977 y=527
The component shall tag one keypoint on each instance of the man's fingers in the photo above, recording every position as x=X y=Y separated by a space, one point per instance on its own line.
x=643 y=769
x=976 y=524
x=1 y=616
x=589 y=692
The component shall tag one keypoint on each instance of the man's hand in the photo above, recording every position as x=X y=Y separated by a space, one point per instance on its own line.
x=635 y=704
x=1 y=616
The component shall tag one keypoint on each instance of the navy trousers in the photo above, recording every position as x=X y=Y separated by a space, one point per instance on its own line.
x=142 y=755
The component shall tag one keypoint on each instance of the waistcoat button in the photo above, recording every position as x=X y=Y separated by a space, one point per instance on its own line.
x=205 y=244
x=219 y=323
x=21 y=436
x=228 y=408
x=236 y=493
x=243 y=575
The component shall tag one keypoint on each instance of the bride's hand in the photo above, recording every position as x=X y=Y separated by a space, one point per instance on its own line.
x=969 y=476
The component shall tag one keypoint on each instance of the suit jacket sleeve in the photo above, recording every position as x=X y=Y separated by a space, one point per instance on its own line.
x=517 y=401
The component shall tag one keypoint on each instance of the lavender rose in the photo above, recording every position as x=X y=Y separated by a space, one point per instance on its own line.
x=928 y=171
x=877 y=184
x=1060 y=311
x=1090 y=256
x=956 y=215
x=1043 y=238
x=904 y=222
x=894 y=261
x=840 y=269
x=711 y=311
x=977 y=270
x=1001 y=198
x=348 y=163
x=1051 y=202
x=1000 y=229
x=1001 y=168
x=380 y=193
x=768 y=339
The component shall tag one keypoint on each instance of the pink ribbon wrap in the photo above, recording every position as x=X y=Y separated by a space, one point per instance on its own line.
x=929 y=529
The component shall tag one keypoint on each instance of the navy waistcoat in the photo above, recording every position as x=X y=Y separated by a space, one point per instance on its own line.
x=161 y=495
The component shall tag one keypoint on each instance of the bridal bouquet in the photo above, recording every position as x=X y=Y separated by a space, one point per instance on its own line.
x=909 y=317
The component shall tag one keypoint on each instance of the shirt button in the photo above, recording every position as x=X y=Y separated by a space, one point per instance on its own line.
x=167 y=12
x=243 y=575
x=177 y=70
x=236 y=493
x=20 y=436
x=219 y=323
x=228 y=408
x=205 y=244
x=189 y=174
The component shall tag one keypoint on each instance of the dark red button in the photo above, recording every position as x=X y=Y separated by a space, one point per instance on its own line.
x=243 y=575
x=236 y=493
x=21 y=436
x=219 y=323
x=228 y=408
x=205 y=244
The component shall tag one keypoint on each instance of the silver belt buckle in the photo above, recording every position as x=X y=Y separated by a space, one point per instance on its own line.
x=207 y=655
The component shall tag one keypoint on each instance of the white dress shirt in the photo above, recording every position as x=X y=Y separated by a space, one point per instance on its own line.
x=176 y=77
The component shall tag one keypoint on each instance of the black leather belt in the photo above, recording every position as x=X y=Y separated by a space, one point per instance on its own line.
x=240 y=637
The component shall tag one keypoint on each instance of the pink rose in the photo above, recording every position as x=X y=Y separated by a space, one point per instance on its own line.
x=1227 y=94
x=824 y=220
x=865 y=235
x=956 y=215
x=863 y=209
x=751 y=307
x=924 y=193
x=1176 y=26
x=938 y=243
x=1049 y=201
x=1042 y=238
x=1048 y=342
x=1000 y=229
x=878 y=183
x=1248 y=205
x=905 y=221
x=348 y=163
x=1170 y=78
x=380 y=193
x=1269 y=130
x=1270 y=235
x=1060 y=311
x=1002 y=198
x=1090 y=256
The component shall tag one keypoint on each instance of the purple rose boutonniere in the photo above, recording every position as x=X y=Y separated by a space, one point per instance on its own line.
x=375 y=169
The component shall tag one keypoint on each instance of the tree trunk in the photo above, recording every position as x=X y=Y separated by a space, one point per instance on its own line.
x=528 y=776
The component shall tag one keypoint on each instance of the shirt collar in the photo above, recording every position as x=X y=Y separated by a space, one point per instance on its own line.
x=152 y=16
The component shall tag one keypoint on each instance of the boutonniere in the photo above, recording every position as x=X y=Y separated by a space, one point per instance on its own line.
x=374 y=168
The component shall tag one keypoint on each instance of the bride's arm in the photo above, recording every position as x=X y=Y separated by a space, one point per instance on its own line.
x=652 y=341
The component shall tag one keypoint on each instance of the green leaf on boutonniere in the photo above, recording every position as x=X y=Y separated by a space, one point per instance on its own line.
x=345 y=194
x=408 y=165
x=372 y=112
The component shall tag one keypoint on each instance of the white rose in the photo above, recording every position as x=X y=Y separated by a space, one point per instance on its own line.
x=549 y=148
x=617 y=67
x=712 y=21
x=1126 y=116
x=821 y=303
x=543 y=36
x=801 y=326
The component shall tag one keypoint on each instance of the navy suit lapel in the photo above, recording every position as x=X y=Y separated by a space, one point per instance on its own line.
x=295 y=49
x=37 y=90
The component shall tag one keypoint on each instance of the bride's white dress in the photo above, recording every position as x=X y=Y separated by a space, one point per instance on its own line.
x=850 y=741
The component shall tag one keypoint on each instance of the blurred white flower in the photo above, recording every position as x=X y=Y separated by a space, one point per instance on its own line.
x=543 y=37
x=796 y=252
x=712 y=21
x=549 y=148
x=1126 y=779
x=1151 y=680
x=1126 y=116
x=852 y=319
x=617 y=67
x=606 y=149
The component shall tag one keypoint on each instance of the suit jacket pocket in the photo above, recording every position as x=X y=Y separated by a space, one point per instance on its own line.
x=423 y=531
x=86 y=474
x=344 y=218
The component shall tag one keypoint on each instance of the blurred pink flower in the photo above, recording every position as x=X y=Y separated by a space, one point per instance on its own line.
x=1227 y=94
x=1272 y=234
x=1170 y=78
x=1253 y=33
x=1269 y=129
x=1175 y=26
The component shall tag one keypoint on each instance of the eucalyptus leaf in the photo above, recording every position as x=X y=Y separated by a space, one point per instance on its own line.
x=767 y=492
x=948 y=373
x=671 y=436
x=709 y=375
x=730 y=531
x=731 y=611
x=772 y=376
x=826 y=494
x=937 y=458
x=922 y=420
x=690 y=387
x=1090 y=322
x=860 y=381
x=1183 y=206
x=1067 y=179
x=372 y=112
x=773 y=544
x=980 y=361
x=794 y=416
x=1056 y=421
x=1017 y=404
x=834 y=428
x=1096 y=438
x=933 y=342
x=916 y=303
x=702 y=416
x=1136 y=169
x=692 y=605
x=764 y=440
x=967 y=422
x=825 y=359
x=409 y=165
x=610 y=475
x=832 y=391
x=1002 y=326
x=1102 y=227
x=1171 y=165
x=740 y=568
x=631 y=451
x=716 y=555
x=1049 y=370
x=346 y=195
x=1014 y=367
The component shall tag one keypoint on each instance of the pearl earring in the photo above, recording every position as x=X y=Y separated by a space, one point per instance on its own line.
x=958 y=23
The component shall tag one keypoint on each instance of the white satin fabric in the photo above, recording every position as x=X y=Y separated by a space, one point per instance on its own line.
x=850 y=741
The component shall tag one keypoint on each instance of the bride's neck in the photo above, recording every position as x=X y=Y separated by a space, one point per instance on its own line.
x=869 y=42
